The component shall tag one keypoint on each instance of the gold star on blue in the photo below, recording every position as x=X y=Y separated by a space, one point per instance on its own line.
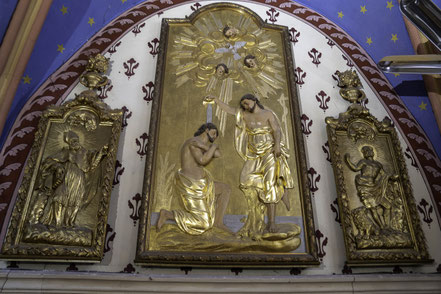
x=60 y=48
x=394 y=38
x=63 y=10
x=369 y=41
x=389 y=5
x=26 y=79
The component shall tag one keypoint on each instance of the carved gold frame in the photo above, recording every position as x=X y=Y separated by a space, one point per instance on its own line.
x=145 y=256
x=14 y=246
x=341 y=129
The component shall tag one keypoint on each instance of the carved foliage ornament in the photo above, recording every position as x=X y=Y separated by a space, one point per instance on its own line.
x=378 y=213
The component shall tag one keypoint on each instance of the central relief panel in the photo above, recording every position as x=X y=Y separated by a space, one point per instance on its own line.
x=225 y=180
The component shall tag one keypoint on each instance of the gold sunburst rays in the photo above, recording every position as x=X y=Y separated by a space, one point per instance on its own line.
x=85 y=123
x=181 y=80
x=226 y=95
x=182 y=55
x=55 y=140
x=271 y=81
x=183 y=68
x=207 y=26
x=283 y=100
x=266 y=44
x=188 y=31
x=217 y=21
x=186 y=41
x=204 y=46
x=245 y=22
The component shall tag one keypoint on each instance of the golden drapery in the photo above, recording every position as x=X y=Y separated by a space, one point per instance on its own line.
x=264 y=172
x=70 y=180
x=374 y=191
x=198 y=199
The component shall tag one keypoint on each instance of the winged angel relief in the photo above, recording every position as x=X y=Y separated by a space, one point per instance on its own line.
x=217 y=55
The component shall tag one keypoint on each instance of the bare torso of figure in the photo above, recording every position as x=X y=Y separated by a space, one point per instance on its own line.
x=189 y=165
x=257 y=120
x=370 y=169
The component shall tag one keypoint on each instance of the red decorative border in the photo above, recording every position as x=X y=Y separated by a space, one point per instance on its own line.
x=19 y=141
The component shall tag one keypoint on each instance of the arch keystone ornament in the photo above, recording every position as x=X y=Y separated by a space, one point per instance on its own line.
x=260 y=215
x=63 y=201
x=381 y=225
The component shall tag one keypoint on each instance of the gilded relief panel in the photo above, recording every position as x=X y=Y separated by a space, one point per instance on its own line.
x=61 y=209
x=226 y=171
x=379 y=217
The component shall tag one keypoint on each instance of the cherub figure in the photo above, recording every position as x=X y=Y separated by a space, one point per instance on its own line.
x=230 y=32
x=250 y=61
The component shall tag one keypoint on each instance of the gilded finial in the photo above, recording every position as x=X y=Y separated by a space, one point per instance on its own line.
x=96 y=66
x=350 y=84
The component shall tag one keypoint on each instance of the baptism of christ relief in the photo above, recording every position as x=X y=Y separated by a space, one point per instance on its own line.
x=225 y=180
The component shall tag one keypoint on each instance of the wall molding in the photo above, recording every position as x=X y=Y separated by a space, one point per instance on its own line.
x=19 y=281
x=54 y=90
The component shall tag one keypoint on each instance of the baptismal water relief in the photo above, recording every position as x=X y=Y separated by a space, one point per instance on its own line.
x=230 y=172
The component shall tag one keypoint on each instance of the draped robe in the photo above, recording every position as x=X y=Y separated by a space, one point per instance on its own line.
x=269 y=175
x=198 y=199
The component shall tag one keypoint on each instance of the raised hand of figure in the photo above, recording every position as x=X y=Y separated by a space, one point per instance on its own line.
x=209 y=99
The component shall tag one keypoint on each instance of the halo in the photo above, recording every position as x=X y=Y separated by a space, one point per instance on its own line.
x=373 y=149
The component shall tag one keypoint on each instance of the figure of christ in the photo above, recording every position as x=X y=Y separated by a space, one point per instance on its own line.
x=265 y=176
x=204 y=200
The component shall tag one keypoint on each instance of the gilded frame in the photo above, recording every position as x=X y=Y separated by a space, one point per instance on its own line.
x=144 y=255
x=348 y=134
x=89 y=118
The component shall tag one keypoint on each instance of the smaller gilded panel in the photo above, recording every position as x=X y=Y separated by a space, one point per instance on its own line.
x=379 y=217
x=61 y=209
